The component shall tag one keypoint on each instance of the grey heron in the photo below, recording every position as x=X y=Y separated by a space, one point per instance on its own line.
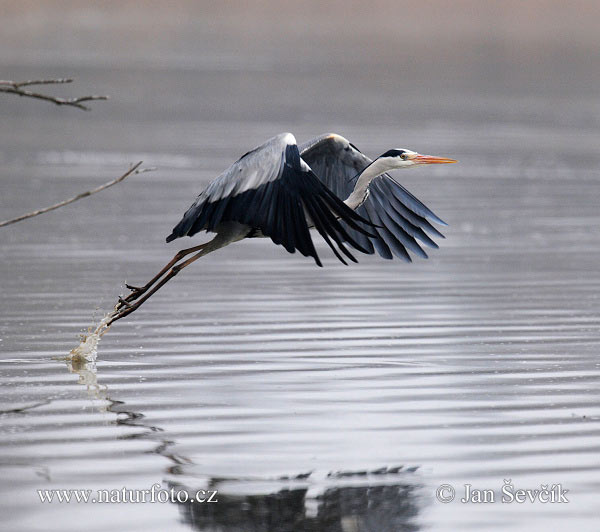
x=281 y=190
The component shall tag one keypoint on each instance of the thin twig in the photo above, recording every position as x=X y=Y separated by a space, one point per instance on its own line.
x=132 y=170
x=16 y=87
x=19 y=84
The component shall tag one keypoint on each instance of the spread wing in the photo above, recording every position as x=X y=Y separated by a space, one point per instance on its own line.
x=399 y=219
x=272 y=190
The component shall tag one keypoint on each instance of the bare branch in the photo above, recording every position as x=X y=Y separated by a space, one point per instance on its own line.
x=37 y=82
x=16 y=87
x=133 y=170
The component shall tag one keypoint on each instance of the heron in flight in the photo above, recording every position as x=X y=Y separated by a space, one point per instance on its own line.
x=281 y=190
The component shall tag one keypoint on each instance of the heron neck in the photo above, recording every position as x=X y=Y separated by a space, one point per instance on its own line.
x=359 y=194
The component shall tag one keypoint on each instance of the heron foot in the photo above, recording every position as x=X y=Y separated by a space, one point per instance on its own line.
x=125 y=302
x=134 y=288
x=136 y=291
x=122 y=303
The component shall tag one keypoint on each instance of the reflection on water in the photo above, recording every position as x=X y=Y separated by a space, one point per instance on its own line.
x=88 y=377
x=384 y=506
x=382 y=500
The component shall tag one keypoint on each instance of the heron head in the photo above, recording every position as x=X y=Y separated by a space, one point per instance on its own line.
x=403 y=158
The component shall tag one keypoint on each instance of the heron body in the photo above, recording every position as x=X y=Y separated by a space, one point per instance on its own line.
x=281 y=190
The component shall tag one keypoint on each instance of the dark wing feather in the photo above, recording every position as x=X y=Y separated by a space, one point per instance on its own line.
x=399 y=219
x=271 y=189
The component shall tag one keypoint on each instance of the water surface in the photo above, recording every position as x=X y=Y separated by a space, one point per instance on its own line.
x=312 y=399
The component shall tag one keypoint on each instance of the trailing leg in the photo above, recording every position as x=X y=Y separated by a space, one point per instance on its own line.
x=228 y=233
x=138 y=291
x=122 y=311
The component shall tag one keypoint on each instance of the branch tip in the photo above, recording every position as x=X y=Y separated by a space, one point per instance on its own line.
x=132 y=170
x=16 y=87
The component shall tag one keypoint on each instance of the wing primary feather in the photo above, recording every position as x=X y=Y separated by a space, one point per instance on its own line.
x=283 y=222
x=265 y=205
x=387 y=237
x=219 y=210
x=339 y=228
x=364 y=240
x=271 y=222
x=398 y=213
x=414 y=203
x=320 y=227
x=279 y=219
x=335 y=232
x=252 y=214
x=382 y=248
x=404 y=211
x=290 y=223
x=302 y=236
x=360 y=238
x=395 y=228
x=189 y=218
x=333 y=206
x=202 y=220
x=311 y=251
x=400 y=234
x=411 y=229
x=346 y=212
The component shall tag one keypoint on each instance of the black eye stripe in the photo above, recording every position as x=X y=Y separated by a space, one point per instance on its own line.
x=393 y=153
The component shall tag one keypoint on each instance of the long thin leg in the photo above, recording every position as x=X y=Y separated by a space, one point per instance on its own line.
x=122 y=312
x=138 y=291
x=229 y=233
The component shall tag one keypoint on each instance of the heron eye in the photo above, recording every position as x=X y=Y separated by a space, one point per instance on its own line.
x=404 y=156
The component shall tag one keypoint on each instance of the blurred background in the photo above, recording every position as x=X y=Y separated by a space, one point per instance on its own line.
x=333 y=399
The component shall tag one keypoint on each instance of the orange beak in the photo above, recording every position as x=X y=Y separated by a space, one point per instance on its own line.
x=431 y=159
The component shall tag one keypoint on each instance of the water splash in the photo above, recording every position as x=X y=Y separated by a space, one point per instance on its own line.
x=87 y=349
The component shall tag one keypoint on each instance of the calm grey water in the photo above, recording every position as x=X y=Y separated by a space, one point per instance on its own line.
x=334 y=399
